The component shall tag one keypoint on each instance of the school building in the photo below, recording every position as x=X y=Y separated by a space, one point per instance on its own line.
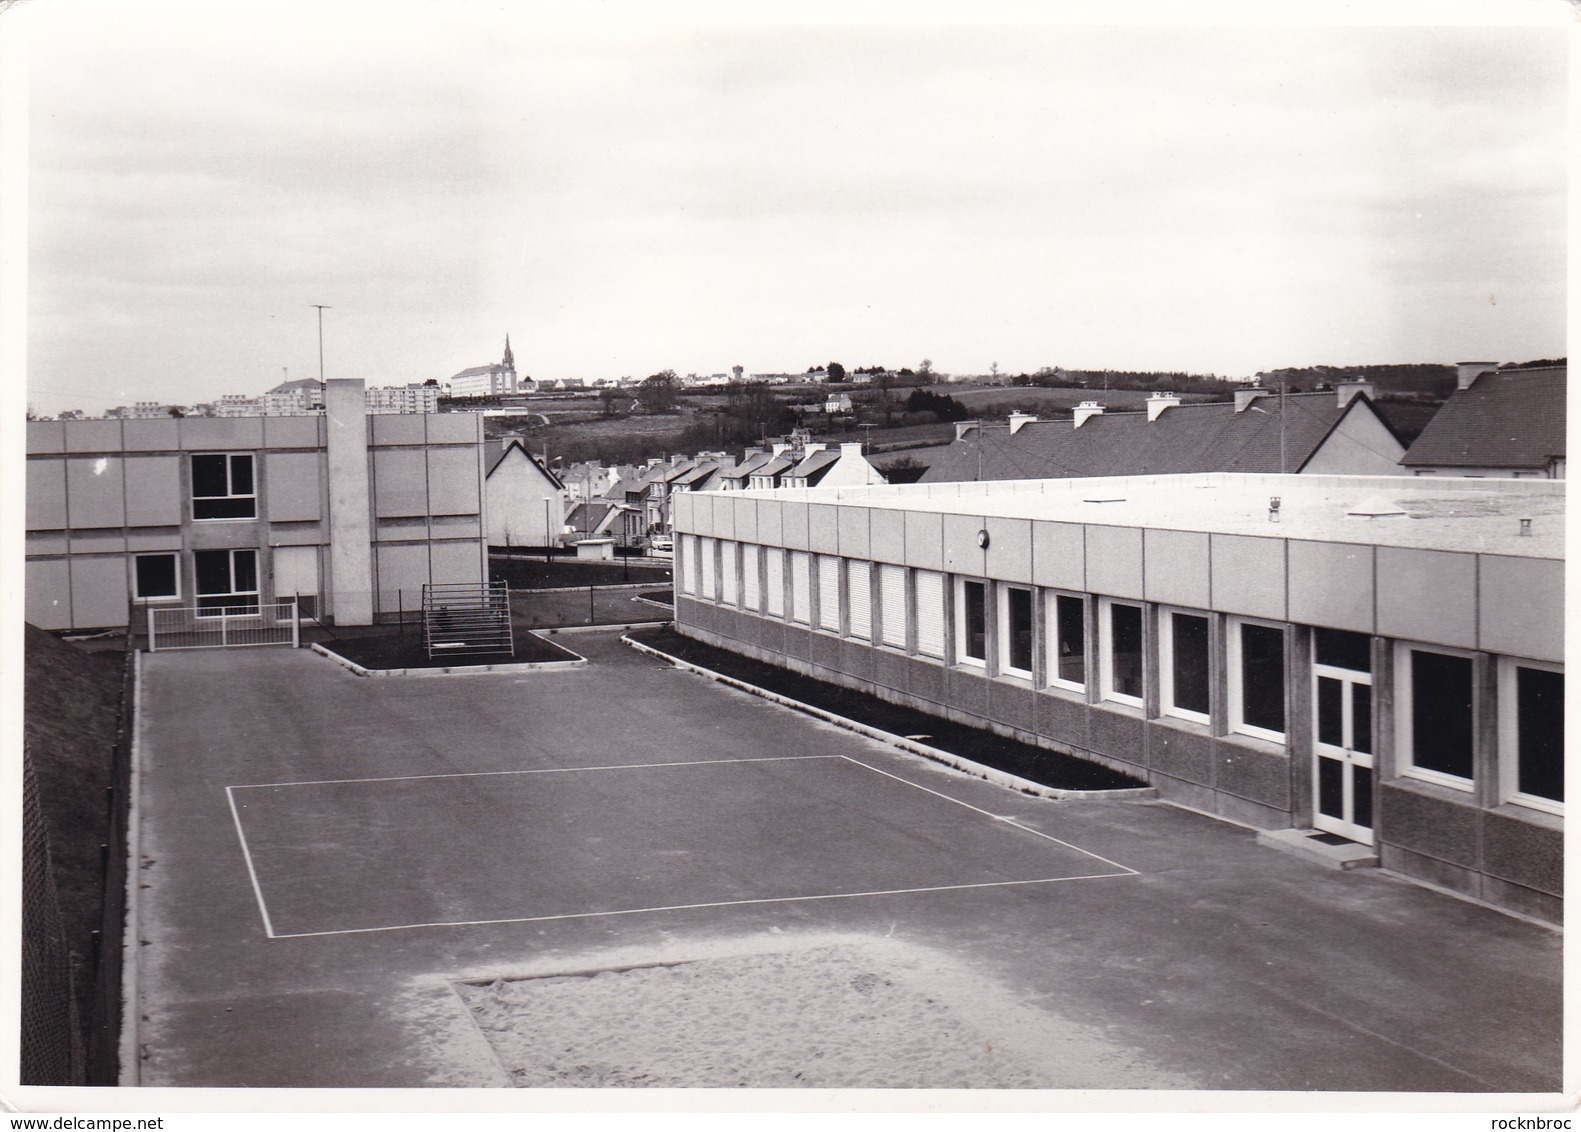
x=349 y=513
x=1369 y=664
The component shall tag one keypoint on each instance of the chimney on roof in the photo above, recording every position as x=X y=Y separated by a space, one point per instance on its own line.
x=1245 y=397
x=850 y=448
x=1085 y=410
x=1348 y=390
x=1158 y=402
x=1468 y=372
x=964 y=427
x=751 y=452
x=1019 y=419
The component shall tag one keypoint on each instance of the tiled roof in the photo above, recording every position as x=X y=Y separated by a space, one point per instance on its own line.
x=1185 y=438
x=815 y=465
x=1505 y=419
x=493 y=459
x=299 y=383
x=588 y=516
x=775 y=467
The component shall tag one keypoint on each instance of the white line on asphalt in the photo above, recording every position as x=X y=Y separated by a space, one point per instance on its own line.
x=537 y=770
x=263 y=909
x=995 y=817
x=715 y=904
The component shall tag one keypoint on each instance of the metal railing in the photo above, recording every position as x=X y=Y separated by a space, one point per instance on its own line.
x=223 y=626
x=467 y=618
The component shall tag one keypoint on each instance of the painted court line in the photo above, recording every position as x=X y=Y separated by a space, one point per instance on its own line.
x=263 y=908
x=272 y=934
x=1007 y=821
x=538 y=770
x=690 y=907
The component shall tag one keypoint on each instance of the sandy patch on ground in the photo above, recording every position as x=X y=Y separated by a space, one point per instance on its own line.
x=864 y=1013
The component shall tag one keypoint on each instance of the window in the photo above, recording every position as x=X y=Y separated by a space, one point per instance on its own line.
x=1257 y=680
x=751 y=588
x=859 y=595
x=227 y=581
x=689 y=564
x=971 y=623
x=1532 y=733
x=1435 y=721
x=222 y=486
x=892 y=605
x=1183 y=665
x=729 y=579
x=1015 y=625
x=705 y=560
x=801 y=587
x=156 y=577
x=930 y=613
x=774 y=583
x=1121 y=646
x=1067 y=662
x=828 y=593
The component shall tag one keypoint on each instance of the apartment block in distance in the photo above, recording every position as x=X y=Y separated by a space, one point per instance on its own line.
x=351 y=513
x=1368 y=665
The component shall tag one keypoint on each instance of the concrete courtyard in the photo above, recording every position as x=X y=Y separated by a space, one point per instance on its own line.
x=325 y=859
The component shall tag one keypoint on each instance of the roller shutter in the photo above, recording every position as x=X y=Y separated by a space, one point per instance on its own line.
x=859 y=595
x=751 y=591
x=801 y=587
x=729 y=590
x=892 y=604
x=774 y=600
x=689 y=564
x=705 y=554
x=930 y=613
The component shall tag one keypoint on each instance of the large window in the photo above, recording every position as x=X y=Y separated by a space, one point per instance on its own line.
x=156 y=577
x=1183 y=665
x=1257 y=679
x=892 y=605
x=1067 y=661
x=729 y=577
x=859 y=596
x=971 y=623
x=688 y=564
x=930 y=613
x=829 y=593
x=705 y=562
x=1120 y=642
x=1015 y=631
x=1435 y=726
x=801 y=586
x=227 y=581
x=1532 y=733
x=222 y=486
x=774 y=581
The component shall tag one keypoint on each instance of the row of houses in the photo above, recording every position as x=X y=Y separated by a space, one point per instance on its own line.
x=1498 y=422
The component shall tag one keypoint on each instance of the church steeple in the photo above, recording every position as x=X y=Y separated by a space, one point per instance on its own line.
x=507 y=361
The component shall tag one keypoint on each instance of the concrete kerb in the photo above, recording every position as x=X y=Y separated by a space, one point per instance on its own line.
x=602 y=628
x=619 y=587
x=130 y=1038
x=455 y=670
x=933 y=754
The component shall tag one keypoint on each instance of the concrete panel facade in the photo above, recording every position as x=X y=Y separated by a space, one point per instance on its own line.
x=154 y=491
x=1114 y=561
x=1427 y=595
x=1332 y=584
x=1177 y=568
x=99 y=590
x=46 y=495
x=400 y=482
x=296 y=487
x=95 y=492
x=1520 y=606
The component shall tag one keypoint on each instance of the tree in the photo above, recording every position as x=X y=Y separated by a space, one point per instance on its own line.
x=925 y=367
x=610 y=399
x=659 y=393
x=836 y=371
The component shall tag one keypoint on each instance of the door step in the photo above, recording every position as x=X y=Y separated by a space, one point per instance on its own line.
x=1325 y=848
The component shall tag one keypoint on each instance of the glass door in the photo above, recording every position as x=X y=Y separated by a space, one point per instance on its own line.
x=1342 y=734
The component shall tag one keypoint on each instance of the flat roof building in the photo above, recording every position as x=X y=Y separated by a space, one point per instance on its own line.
x=1377 y=659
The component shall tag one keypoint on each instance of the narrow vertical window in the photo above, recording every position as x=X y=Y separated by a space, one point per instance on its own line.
x=801 y=587
x=829 y=593
x=774 y=581
x=1532 y=733
x=1257 y=680
x=974 y=622
x=1185 y=669
x=688 y=564
x=1068 y=662
x=1016 y=650
x=751 y=590
x=1122 y=647
x=930 y=613
x=729 y=579
x=705 y=562
x=892 y=605
x=1439 y=715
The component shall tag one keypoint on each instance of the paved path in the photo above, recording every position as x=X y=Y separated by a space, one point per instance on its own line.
x=490 y=839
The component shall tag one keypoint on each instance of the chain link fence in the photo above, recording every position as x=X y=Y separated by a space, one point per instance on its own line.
x=52 y=1046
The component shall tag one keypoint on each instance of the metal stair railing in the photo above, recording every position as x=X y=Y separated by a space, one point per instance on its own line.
x=467 y=619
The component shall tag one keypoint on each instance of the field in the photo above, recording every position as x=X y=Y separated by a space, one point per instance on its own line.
x=1032 y=398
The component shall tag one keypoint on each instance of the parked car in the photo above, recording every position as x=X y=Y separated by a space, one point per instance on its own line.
x=662 y=546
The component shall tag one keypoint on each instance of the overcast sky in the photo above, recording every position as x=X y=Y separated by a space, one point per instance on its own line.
x=624 y=198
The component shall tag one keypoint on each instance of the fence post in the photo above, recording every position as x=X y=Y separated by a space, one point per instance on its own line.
x=592 y=618
x=296 y=624
x=153 y=646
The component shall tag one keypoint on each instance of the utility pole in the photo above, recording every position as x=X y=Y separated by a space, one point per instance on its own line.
x=321 y=309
